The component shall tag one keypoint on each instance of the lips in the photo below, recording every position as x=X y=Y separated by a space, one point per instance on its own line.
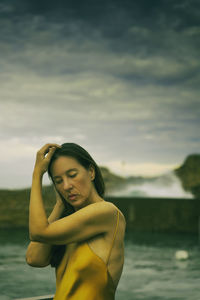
x=72 y=196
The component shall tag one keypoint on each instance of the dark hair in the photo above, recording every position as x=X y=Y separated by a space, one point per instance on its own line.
x=84 y=158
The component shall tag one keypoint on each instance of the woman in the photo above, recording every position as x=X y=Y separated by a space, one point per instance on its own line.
x=84 y=235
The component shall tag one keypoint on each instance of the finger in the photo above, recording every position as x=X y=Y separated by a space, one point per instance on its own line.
x=45 y=149
x=55 y=145
x=50 y=145
x=51 y=150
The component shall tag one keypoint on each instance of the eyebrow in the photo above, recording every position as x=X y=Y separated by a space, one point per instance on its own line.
x=68 y=171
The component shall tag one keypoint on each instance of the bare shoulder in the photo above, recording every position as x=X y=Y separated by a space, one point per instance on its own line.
x=105 y=209
x=113 y=209
x=105 y=206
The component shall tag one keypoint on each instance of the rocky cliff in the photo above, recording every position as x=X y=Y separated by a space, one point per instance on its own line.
x=189 y=174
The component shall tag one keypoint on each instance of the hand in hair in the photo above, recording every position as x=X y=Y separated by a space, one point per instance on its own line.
x=43 y=157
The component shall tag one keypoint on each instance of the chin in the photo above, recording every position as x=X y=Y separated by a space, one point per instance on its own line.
x=79 y=204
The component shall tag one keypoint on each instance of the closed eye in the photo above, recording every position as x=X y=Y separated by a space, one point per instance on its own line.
x=58 y=181
x=72 y=175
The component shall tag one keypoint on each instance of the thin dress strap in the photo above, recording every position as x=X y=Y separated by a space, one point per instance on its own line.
x=113 y=237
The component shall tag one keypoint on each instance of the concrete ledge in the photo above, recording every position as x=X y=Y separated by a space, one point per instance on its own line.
x=47 y=297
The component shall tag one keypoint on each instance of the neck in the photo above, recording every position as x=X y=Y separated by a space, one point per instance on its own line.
x=93 y=198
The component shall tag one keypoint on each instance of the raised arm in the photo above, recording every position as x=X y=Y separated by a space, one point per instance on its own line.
x=39 y=254
x=91 y=220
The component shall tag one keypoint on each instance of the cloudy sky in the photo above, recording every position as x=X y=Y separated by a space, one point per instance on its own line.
x=119 y=77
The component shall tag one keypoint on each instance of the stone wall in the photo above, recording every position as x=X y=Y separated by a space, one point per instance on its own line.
x=159 y=214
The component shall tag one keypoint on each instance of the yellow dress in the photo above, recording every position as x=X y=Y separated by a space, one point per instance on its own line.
x=83 y=275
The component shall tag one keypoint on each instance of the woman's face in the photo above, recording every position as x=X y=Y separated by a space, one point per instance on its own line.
x=73 y=181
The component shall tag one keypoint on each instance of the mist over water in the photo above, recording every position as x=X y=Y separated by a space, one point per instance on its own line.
x=167 y=185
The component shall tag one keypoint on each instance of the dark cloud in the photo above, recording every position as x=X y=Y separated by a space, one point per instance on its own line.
x=156 y=33
x=119 y=77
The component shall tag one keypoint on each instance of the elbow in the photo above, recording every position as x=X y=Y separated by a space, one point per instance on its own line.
x=30 y=261
x=36 y=262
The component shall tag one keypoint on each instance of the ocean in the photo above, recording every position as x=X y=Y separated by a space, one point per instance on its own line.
x=151 y=270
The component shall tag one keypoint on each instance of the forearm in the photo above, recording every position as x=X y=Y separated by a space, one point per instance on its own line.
x=38 y=254
x=37 y=216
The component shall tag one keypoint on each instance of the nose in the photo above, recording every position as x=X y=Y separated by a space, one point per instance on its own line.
x=67 y=184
